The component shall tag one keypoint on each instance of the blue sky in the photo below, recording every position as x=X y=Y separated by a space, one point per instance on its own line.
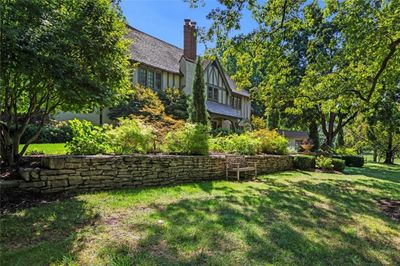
x=164 y=18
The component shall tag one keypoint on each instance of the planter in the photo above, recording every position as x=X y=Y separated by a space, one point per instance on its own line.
x=307 y=148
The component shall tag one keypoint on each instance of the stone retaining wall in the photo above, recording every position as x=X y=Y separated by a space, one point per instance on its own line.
x=85 y=173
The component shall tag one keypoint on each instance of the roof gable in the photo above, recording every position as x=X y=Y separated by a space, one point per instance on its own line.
x=227 y=79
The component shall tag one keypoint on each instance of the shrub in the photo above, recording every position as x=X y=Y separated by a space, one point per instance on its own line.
x=345 y=151
x=142 y=102
x=131 y=135
x=354 y=161
x=324 y=163
x=338 y=164
x=87 y=139
x=175 y=102
x=191 y=139
x=244 y=144
x=51 y=133
x=304 y=162
x=271 y=142
x=217 y=144
x=221 y=131
x=258 y=122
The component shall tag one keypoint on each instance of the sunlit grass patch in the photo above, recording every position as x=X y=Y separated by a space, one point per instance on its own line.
x=292 y=218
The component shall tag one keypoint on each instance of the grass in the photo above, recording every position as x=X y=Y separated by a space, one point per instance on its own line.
x=289 y=218
x=46 y=148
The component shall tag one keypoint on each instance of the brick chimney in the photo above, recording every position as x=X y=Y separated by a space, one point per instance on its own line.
x=189 y=40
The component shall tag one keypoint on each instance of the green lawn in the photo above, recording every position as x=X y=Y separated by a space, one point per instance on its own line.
x=290 y=218
x=47 y=148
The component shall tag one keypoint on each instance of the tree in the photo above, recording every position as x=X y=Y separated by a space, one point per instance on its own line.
x=197 y=104
x=384 y=124
x=325 y=59
x=57 y=55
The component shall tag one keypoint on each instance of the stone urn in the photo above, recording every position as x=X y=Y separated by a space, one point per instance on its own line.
x=307 y=148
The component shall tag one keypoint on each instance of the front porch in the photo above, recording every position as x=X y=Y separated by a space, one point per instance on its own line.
x=219 y=121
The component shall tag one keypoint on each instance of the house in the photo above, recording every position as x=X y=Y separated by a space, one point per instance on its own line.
x=162 y=65
x=295 y=138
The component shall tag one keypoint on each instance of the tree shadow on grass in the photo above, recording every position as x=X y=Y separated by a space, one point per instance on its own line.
x=378 y=171
x=284 y=223
x=44 y=234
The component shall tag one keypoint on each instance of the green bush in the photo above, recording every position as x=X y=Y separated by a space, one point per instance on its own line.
x=345 y=151
x=324 y=163
x=338 y=164
x=131 y=135
x=244 y=144
x=354 y=161
x=87 y=139
x=304 y=162
x=192 y=139
x=175 y=102
x=271 y=142
x=51 y=133
x=220 y=132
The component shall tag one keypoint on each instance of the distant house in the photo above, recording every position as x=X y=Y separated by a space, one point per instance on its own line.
x=163 y=65
x=295 y=137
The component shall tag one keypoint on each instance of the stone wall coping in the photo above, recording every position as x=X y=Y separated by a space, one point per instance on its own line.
x=159 y=155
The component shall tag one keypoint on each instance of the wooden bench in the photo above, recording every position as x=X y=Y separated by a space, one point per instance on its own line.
x=239 y=164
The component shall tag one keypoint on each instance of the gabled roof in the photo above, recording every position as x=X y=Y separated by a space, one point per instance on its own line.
x=222 y=109
x=154 y=52
x=233 y=87
x=157 y=53
x=229 y=81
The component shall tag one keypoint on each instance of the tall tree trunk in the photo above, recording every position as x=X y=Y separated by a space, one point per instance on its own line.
x=314 y=137
x=389 y=155
x=340 y=138
x=375 y=155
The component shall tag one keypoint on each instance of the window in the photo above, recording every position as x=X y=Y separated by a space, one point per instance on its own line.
x=142 y=77
x=149 y=78
x=212 y=94
x=236 y=102
x=158 y=81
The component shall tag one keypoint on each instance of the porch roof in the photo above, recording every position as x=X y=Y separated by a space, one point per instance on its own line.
x=222 y=109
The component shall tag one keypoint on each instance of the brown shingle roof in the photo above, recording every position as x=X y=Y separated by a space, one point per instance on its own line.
x=154 y=52
x=157 y=53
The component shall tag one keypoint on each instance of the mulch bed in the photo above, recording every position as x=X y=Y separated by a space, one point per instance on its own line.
x=8 y=173
x=390 y=207
x=12 y=200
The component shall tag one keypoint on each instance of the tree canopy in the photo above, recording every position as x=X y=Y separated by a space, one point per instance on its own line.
x=58 y=55
x=323 y=62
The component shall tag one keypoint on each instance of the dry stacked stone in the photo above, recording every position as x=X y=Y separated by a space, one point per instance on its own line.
x=86 y=173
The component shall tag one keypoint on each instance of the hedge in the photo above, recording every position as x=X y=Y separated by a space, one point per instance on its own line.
x=338 y=164
x=304 y=162
x=351 y=160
